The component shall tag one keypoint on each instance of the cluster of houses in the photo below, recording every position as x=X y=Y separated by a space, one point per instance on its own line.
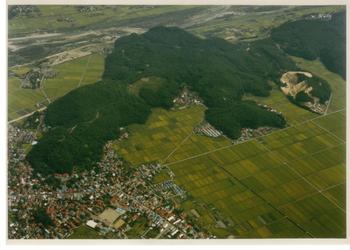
x=108 y=199
x=33 y=78
x=170 y=189
x=65 y=19
x=249 y=133
x=316 y=107
x=268 y=108
x=206 y=129
x=187 y=98
x=17 y=138
x=319 y=16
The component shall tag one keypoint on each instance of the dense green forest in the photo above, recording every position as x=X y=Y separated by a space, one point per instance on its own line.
x=320 y=89
x=41 y=217
x=242 y=114
x=82 y=121
x=316 y=38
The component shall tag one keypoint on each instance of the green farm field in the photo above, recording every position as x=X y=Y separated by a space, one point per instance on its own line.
x=274 y=174
x=21 y=101
x=287 y=184
x=70 y=75
x=73 y=74
x=162 y=133
x=84 y=232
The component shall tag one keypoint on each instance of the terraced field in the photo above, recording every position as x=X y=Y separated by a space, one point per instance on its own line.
x=290 y=183
x=70 y=75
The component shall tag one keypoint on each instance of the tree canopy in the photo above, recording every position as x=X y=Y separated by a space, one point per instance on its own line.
x=316 y=38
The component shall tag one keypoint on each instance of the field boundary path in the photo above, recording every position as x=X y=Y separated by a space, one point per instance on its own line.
x=84 y=72
x=26 y=115
x=252 y=139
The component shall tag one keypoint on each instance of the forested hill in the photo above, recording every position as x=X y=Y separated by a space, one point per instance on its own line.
x=316 y=38
x=220 y=72
x=213 y=67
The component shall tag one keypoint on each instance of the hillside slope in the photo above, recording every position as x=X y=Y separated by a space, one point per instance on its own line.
x=316 y=38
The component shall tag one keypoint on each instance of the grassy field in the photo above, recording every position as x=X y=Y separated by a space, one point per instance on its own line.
x=84 y=232
x=70 y=75
x=290 y=183
x=150 y=82
x=138 y=228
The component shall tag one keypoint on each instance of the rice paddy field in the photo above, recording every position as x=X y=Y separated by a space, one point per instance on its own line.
x=70 y=75
x=73 y=74
x=21 y=101
x=290 y=183
x=163 y=132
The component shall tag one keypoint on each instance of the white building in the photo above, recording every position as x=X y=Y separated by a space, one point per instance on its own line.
x=91 y=223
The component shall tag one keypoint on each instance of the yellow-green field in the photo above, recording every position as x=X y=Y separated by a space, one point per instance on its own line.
x=162 y=133
x=290 y=183
x=297 y=175
x=21 y=101
x=70 y=75
x=73 y=74
x=278 y=101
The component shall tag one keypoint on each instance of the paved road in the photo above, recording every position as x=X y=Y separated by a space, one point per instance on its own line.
x=26 y=115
